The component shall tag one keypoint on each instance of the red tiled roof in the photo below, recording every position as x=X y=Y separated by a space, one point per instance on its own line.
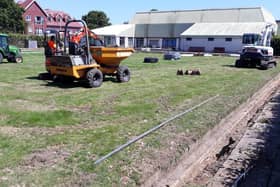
x=24 y=3
x=56 y=14
x=62 y=24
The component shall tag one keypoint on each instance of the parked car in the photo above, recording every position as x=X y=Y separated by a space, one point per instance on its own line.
x=171 y=55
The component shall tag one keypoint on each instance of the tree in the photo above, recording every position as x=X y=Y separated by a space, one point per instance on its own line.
x=11 y=16
x=96 y=19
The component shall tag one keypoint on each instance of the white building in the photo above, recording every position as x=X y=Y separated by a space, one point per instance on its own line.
x=209 y=30
x=278 y=23
x=117 y=35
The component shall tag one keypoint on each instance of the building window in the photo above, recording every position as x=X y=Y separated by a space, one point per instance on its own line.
x=109 y=40
x=95 y=42
x=139 y=42
x=49 y=18
x=228 y=39
x=154 y=43
x=169 y=43
x=39 y=31
x=68 y=19
x=188 y=39
x=211 y=39
x=39 y=20
x=122 y=41
x=28 y=18
x=130 y=42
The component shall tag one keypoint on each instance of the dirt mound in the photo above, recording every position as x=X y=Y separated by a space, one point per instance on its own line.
x=46 y=157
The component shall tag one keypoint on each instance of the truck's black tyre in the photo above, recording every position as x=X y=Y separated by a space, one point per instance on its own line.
x=123 y=74
x=15 y=59
x=18 y=60
x=94 y=78
x=45 y=76
x=271 y=65
x=268 y=66
x=1 y=58
x=150 y=60
x=237 y=64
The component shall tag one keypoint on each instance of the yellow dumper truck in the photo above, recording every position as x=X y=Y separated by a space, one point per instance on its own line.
x=87 y=60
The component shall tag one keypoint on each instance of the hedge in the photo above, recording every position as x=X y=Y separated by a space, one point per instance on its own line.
x=21 y=40
x=275 y=43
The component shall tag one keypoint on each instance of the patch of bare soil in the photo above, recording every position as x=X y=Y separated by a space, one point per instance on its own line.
x=2 y=84
x=45 y=158
x=30 y=106
x=49 y=157
x=163 y=102
x=205 y=157
x=80 y=179
x=10 y=131
x=162 y=160
x=28 y=132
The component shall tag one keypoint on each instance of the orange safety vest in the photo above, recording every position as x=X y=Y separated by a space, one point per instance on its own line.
x=75 y=39
x=52 y=44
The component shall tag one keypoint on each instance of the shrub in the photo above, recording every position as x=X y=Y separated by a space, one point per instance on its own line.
x=275 y=43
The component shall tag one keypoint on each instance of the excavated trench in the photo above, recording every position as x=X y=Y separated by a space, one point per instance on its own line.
x=255 y=161
x=243 y=147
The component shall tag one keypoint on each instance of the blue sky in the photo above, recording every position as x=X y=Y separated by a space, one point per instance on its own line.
x=123 y=10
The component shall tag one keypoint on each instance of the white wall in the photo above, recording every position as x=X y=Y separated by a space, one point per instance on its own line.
x=115 y=40
x=230 y=46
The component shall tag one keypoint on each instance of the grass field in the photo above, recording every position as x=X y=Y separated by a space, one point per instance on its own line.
x=51 y=134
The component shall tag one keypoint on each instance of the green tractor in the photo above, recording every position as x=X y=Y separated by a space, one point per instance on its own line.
x=9 y=52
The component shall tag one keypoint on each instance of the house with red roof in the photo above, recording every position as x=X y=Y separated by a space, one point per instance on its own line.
x=34 y=16
x=38 y=20
x=58 y=19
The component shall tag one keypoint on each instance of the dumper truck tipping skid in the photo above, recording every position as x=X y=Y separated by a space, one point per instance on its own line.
x=86 y=61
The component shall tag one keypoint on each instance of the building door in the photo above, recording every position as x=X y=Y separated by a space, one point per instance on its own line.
x=169 y=43
x=122 y=41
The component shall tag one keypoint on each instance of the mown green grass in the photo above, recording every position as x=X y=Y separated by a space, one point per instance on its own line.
x=108 y=116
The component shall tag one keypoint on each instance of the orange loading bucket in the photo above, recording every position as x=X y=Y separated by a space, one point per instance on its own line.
x=110 y=57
